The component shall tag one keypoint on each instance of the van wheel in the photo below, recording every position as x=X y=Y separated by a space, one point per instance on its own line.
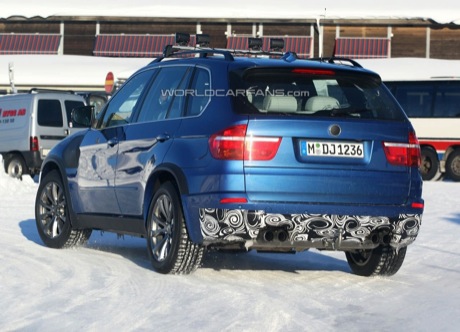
x=429 y=167
x=170 y=249
x=380 y=261
x=453 y=165
x=52 y=215
x=15 y=166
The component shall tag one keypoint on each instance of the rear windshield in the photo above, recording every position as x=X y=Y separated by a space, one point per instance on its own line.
x=312 y=92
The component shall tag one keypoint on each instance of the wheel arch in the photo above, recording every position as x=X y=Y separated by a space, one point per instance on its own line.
x=8 y=155
x=50 y=165
x=62 y=157
x=163 y=173
x=449 y=150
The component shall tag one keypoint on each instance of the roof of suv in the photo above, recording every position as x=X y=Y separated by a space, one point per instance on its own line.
x=249 y=59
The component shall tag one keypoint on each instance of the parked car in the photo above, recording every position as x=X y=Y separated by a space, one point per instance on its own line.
x=31 y=124
x=235 y=152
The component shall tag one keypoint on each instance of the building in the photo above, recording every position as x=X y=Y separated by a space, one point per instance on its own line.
x=141 y=29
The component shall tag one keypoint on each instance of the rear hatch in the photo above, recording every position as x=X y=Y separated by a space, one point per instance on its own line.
x=336 y=136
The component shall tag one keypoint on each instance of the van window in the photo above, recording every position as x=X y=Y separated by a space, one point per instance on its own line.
x=415 y=98
x=447 y=100
x=426 y=99
x=49 y=113
x=69 y=106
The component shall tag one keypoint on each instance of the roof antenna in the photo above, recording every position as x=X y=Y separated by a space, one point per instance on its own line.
x=11 y=74
x=319 y=30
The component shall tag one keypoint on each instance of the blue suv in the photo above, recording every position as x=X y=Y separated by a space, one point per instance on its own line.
x=227 y=149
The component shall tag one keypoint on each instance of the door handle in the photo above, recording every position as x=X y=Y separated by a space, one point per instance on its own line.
x=162 y=137
x=112 y=142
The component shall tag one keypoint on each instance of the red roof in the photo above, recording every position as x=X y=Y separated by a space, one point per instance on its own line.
x=18 y=43
x=121 y=45
x=362 y=48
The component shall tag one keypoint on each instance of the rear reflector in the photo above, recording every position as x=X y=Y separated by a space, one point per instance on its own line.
x=231 y=200
x=233 y=144
x=403 y=154
x=417 y=205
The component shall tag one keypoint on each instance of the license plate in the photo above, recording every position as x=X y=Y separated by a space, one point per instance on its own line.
x=332 y=149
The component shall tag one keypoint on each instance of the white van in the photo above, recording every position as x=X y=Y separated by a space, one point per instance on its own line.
x=31 y=124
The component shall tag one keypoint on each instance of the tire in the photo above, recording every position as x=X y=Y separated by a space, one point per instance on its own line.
x=429 y=167
x=381 y=261
x=453 y=165
x=15 y=166
x=52 y=215
x=170 y=249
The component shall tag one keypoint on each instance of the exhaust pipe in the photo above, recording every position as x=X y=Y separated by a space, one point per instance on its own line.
x=381 y=238
x=269 y=236
x=282 y=236
x=386 y=239
x=279 y=235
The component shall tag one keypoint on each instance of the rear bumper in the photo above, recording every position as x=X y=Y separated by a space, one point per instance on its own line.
x=257 y=229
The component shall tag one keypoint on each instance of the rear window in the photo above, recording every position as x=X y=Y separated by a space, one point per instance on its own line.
x=312 y=92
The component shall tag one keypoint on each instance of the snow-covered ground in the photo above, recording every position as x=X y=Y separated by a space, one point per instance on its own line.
x=109 y=286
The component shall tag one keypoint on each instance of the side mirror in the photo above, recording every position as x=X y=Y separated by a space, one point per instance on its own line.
x=83 y=116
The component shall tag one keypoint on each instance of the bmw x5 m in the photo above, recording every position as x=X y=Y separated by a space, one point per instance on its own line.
x=216 y=150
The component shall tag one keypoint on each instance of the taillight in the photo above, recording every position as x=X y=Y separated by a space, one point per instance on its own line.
x=403 y=154
x=233 y=144
x=34 y=143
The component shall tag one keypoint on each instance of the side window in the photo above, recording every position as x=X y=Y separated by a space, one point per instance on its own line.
x=122 y=104
x=49 y=113
x=166 y=97
x=416 y=99
x=69 y=106
x=447 y=103
x=200 y=97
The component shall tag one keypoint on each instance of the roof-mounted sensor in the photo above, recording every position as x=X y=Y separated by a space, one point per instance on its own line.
x=203 y=40
x=255 y=44
x=182 y=39
x=276 y=44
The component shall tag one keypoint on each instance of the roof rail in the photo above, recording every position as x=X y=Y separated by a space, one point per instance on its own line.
x=203 y=49
x=171 y=50
x=42 y=90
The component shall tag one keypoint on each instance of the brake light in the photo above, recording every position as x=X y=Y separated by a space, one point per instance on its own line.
x=233 y=144
x=403 y=154
x=34 y=143
x=313 y=71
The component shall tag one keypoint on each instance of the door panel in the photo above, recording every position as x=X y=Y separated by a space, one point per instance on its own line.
x=98 y=151
x=96 y=171
x=148 y=140
x=144 y=148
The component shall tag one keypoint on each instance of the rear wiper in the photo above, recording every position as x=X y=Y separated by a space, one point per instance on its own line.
x=347 y=111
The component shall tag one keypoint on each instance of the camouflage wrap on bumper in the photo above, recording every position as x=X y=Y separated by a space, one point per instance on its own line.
x=302 y=231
